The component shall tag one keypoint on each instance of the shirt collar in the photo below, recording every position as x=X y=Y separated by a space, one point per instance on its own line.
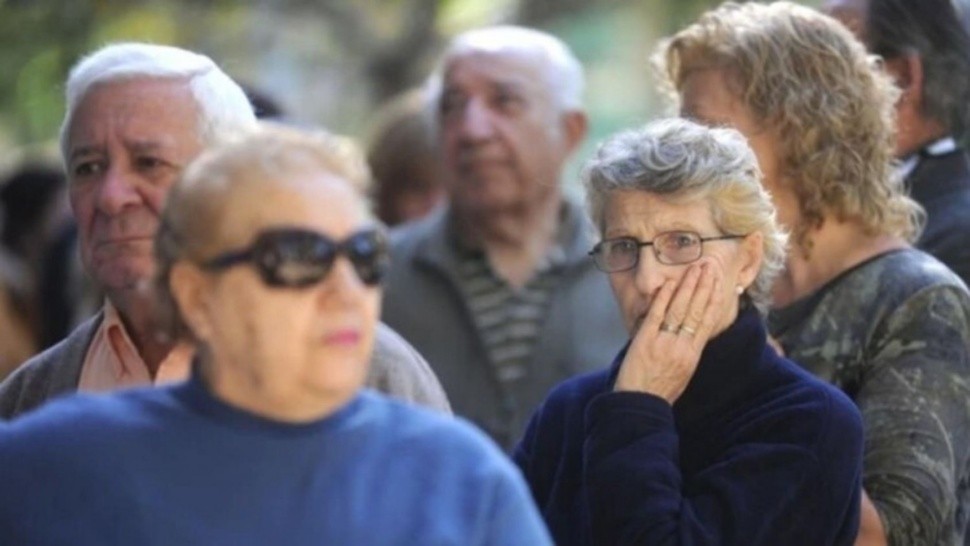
x=941 y=146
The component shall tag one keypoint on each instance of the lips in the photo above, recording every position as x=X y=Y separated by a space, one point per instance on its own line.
x=345 y=337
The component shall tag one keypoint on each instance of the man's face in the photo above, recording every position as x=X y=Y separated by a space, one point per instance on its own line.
x=503 y=138
x=127 y=144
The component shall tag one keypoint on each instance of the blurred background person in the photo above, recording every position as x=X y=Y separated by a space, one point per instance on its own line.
x=409 y=181
x=698 y=433
x=927 y=52
x=268 y=261
x=136 y=115
x=856 y=304
x=33 y=209
x=496 y=289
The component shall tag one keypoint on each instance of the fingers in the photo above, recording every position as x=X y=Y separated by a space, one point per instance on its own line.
x=710 y=305
x=654 y=323
x=680 y=304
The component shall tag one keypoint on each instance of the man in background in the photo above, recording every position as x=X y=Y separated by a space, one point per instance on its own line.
x=496 y=289
x=927 y=51
x=136 y=116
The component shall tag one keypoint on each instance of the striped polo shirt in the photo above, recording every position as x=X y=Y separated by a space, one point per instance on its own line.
x=508 y=319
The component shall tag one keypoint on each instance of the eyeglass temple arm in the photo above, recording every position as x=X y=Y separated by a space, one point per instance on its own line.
x=228 y=259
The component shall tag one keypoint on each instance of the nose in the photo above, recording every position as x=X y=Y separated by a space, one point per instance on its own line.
x=342 y=283
x=116 y=191
x=476 y=121
x=651 y=274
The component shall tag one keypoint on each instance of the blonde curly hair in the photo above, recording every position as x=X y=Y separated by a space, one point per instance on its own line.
x=803 y=75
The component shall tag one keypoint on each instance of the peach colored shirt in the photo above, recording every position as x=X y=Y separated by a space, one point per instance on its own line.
x=113 y=362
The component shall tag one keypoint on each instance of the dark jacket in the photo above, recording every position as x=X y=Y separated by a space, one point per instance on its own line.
x=755 y=452
x=941 y=183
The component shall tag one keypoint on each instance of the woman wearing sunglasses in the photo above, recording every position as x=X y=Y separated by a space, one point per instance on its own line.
x=699 y=432
x=271 y=264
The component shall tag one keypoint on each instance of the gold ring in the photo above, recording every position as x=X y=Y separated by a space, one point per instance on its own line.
x=690 y=331
x=666 y=327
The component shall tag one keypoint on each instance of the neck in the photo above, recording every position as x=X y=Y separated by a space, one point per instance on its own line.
x=138 y=313
x=515 y=241
x=267 y=399
x=836 y=247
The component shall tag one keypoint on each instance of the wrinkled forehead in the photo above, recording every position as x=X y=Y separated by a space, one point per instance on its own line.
x=501 y=65
x=313 y=199
x=141 y=109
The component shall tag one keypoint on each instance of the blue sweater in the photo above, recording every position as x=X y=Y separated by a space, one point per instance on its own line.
x=755 y=452
x=176 y=466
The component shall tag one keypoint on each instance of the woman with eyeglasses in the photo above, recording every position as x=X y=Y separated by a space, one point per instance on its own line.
x=698 y=432
x=856 y=304
x=271 y=264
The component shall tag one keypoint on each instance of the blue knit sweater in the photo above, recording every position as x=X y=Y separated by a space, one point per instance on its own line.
x=176 y=466
x=755 y=452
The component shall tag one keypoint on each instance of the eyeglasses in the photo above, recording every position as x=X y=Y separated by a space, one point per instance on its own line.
x=670 y=248
x=296 y=258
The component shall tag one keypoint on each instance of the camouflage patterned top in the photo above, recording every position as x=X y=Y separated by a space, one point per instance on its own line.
x=894 y=334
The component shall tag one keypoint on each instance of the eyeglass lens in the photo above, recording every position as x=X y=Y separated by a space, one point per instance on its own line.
x=295 y=258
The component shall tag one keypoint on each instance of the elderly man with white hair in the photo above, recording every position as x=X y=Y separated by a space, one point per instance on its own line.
x=496 y=290
x=137 y=114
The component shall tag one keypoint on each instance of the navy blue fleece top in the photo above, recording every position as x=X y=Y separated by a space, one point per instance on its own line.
x=755 y=452
x=176 y=466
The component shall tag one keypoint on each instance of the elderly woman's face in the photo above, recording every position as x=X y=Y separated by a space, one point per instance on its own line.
x=306 y=330
x=706 y=97
x=646 y=217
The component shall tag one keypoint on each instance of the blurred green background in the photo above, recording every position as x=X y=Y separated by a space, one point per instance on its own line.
x=327 y=62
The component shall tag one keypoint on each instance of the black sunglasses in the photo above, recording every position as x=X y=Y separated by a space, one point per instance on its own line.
x=296 y=258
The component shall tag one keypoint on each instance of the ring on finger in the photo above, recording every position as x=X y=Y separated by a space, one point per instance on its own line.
x=690 y=331
x=666 y=327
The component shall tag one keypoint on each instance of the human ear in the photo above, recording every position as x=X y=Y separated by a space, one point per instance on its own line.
x=750 y=255
x=189 y=287
x=575 y=125
x=907 y=73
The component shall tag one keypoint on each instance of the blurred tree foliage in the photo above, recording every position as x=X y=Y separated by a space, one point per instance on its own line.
x=330 y=61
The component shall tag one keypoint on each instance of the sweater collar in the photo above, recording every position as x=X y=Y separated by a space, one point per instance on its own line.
x=196 y=394
x=726 y=363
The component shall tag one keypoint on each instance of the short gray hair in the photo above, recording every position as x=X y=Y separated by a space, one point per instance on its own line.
x=223 y=106
x=684 y=162
x=563 y=72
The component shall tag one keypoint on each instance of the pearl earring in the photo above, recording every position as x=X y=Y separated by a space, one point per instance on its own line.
x=739 y=289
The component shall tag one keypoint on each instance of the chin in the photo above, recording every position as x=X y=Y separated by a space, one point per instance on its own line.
x=124 y=276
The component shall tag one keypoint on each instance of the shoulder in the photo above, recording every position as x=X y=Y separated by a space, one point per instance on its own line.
x=892 y=281
x=405 y=238
x=398 y=369
x=50 y=373
x=910 y=271
x=802 y=409
x=563 y=412
x=916 y=288
x=577 y=391
x=436 y=440
x=75 y=422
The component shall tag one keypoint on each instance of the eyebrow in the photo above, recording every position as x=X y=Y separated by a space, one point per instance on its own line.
x=136 y=146
x=676 y=225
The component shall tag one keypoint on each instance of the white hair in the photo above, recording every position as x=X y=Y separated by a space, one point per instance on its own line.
x=562 y=71
x=223 y=106
x=686 y=162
